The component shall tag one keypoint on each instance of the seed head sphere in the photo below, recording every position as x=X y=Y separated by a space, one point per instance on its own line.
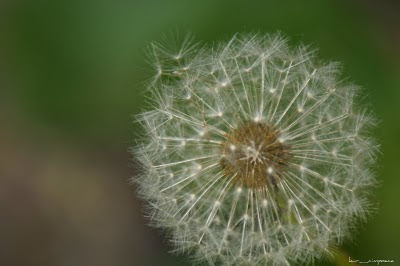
x=254 y=153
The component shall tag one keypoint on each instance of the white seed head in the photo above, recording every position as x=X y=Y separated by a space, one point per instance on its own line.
x=247 y=156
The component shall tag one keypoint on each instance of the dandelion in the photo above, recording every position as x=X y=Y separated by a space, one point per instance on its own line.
x=253 y=152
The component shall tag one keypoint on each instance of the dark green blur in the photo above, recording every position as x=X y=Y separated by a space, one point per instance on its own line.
x=71 y=78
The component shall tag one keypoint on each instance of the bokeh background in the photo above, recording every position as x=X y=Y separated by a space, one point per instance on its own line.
x=71 y=78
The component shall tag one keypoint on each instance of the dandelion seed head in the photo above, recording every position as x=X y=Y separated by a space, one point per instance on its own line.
x=254 y=152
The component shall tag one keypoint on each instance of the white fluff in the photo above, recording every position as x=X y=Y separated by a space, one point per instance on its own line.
x=198 y=95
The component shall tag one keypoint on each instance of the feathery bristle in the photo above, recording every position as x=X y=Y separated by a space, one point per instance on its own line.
x=253 y=152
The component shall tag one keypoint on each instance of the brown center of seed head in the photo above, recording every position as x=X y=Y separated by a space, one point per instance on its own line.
x=254 y=155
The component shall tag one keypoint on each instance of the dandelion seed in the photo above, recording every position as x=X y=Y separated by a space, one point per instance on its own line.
x=253 y=152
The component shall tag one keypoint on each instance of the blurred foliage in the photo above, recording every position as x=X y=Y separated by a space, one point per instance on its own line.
x=72 y=74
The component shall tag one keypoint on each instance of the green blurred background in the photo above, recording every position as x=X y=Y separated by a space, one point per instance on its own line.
x=71 y=77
